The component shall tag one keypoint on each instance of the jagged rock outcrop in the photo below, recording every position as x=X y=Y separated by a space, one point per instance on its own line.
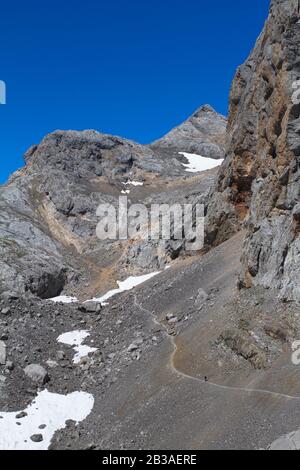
x=30 y=260
x=204 y=133
x=258 y=185
x=48 y=210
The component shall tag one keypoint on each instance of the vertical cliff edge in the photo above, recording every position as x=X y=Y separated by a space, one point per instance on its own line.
x=258 y=185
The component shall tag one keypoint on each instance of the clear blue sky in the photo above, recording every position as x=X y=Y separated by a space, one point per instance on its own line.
x=134 y=68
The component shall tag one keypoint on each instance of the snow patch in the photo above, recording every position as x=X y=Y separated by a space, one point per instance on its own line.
x=49 y=410
x=134 y=183
x=75 y=339
x=64 y=299
x=288 y=442
x=197 y=163
x=126 y=285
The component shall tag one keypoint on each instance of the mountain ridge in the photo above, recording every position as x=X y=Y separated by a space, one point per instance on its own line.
x=56 y=195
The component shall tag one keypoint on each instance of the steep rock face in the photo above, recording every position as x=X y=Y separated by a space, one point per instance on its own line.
x=258 y=185
x=204 y=133
x=31 y=260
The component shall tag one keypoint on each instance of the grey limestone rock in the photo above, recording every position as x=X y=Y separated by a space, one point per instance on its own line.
x=258 y=186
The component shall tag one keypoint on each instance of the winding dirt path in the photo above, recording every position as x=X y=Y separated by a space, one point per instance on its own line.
x=204 y=382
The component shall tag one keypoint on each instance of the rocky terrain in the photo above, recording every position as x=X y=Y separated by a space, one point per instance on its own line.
x=258 y=186
x=204 y=133
x=48 y=209
x=200 y=355
x=165 y=365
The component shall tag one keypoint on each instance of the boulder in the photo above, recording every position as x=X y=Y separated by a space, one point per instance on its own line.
x=37 y=374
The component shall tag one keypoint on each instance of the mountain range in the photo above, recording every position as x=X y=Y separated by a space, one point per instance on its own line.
x=158 y=346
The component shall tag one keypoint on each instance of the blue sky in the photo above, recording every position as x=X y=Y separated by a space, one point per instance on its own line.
x=133 y=68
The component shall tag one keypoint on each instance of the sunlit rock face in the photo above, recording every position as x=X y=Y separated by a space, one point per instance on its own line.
x=204 y=133
x=258 y=185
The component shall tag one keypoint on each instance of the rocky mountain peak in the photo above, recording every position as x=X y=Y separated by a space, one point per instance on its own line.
x=203 y=133
x=89 y=153
x=204 y=109
x=48 y=209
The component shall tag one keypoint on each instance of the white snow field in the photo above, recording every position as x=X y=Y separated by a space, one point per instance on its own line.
x=75 y=339
x=64 y=299
x=44 y=416
x=134 y=183
x=197 y=163
x=126 y=285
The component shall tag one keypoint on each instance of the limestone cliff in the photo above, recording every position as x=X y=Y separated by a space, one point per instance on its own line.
x=258 y=185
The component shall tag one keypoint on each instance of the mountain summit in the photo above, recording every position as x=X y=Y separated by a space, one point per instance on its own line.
x=202 y=134
x=48 y=208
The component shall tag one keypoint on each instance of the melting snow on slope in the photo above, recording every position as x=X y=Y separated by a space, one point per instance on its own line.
x=49 y=411
x=287 y=442
x=75 y=339
x=198 y=163
x=64 y=299
x=126 y=285
x=134 y=183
